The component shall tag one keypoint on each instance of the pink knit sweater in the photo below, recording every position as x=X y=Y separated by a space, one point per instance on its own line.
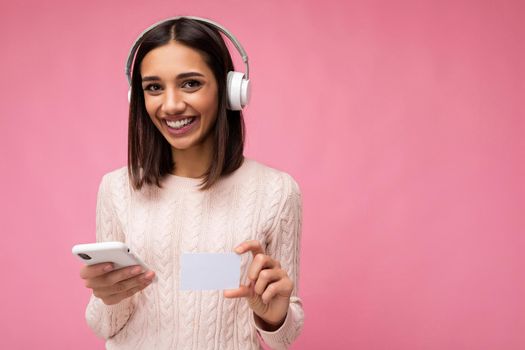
x=255 y=202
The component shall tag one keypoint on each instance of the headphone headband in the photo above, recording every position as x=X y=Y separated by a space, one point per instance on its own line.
x=233 y=39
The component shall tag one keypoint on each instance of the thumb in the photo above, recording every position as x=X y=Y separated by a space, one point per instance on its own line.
x=242 y=291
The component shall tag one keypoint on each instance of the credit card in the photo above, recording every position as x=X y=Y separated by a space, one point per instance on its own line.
x=209 y=271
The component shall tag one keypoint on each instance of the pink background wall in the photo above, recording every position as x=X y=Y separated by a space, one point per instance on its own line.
x=403 y=122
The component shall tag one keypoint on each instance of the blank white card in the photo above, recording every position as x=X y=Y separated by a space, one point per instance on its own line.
x=209 y=271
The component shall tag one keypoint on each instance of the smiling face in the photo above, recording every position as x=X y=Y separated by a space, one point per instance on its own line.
x=181 y=95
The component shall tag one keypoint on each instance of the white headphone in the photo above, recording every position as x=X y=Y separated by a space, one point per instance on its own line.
x=238 y=83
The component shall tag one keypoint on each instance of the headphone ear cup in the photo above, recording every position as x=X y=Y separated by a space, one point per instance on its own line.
x=246 y=89
x=238 y=90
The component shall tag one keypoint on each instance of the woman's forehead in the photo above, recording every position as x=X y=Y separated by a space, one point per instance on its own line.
x=173 y=59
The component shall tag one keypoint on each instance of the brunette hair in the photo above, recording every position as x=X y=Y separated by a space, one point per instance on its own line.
x=149 y=153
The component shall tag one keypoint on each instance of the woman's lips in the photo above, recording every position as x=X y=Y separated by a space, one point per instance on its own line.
x=180 y=117
x=185 y=129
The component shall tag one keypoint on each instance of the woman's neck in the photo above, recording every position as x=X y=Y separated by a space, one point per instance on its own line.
x=193 y=162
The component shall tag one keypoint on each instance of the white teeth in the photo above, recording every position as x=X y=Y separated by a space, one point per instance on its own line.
x=179 y=123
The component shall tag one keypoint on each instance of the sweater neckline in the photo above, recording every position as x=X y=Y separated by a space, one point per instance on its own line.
x=176 y=181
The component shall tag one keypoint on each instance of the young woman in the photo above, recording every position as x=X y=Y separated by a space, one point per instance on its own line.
x=188 y=188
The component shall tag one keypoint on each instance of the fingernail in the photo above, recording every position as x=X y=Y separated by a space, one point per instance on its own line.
x=238 y=250
x=136 y=271
x=108 y=268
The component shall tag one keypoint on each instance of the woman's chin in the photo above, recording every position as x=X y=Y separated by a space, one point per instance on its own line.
x=185 y=144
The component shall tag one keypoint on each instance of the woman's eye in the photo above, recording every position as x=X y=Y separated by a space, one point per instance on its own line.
x=191 y=84
x=152 y=87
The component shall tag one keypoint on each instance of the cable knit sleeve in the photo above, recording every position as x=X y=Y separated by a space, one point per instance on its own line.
x=107 y=320
x=284 y=245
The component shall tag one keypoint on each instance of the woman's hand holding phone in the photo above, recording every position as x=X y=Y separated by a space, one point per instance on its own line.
x=113 y=286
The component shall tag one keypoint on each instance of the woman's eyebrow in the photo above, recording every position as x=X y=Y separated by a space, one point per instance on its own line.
x=180 y=76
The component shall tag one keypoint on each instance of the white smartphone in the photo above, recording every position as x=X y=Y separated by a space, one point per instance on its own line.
x=115 y=252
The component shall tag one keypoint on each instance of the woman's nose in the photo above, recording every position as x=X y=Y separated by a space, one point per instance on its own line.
x=173 y=102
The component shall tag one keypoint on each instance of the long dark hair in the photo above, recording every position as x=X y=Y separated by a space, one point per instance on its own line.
x=149 y=153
